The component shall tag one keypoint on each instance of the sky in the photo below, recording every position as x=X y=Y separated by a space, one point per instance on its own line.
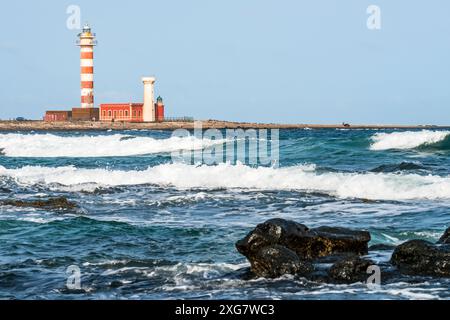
x=241 y=60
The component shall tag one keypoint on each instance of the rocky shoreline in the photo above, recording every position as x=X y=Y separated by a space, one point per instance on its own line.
x=325 y=254
x=337 y=255
x=206 y=124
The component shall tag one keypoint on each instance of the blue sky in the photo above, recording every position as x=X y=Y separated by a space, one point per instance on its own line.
x=253 y=60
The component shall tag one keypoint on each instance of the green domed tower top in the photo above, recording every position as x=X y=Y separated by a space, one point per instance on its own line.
x=159 y=100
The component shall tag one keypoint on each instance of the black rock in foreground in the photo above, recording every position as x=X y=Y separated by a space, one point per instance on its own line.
x=419 y=257
x=279 y=246
x=275 y=261
x=350 y=270
x=307 y=243
x=445 y=239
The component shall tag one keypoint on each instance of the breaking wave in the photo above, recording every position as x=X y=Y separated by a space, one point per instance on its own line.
x=117 y=145
x=397 y=167
x=407 y=139
x=374 y=186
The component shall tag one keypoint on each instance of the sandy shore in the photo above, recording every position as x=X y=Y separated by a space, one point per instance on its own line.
x=208 y=124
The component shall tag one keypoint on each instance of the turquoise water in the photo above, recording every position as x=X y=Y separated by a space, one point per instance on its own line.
x=147 y=228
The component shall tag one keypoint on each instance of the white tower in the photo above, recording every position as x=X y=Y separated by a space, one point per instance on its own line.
x=149 y=99
x=87 y=42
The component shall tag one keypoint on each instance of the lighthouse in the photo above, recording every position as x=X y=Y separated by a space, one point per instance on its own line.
x=86 y=41
x=148 y=111
x=149 y=99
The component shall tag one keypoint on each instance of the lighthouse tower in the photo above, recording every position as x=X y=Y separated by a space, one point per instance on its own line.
x=149 y=111
x=86 y=41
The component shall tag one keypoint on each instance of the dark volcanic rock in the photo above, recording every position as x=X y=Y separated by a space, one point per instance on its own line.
x=382 y=247
x=419 y=257
x=330 y=240
x=307 y=243
x=350 y=270
x=275 y=231
x=279 y=246
x=54 y=203
x=445 y=239
x=333 y=258
x=275 y=261
x=116 y=284
x=5 y=190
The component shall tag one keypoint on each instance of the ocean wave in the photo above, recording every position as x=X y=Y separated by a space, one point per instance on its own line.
x=407 y=139
x=396 y=167
x=117 y=145
x=374 y=186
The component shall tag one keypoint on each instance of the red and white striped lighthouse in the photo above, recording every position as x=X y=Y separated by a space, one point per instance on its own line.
x=87 y=42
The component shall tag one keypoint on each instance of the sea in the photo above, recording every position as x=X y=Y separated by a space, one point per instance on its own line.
x=149 y=226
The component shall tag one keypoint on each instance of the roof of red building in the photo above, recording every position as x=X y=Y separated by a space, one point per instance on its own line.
x=122 y=104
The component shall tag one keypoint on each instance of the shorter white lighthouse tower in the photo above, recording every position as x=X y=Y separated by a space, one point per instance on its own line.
x=149 y=111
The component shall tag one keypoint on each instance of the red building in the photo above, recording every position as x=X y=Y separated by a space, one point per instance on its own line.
x=54 y=116
x=85 y=114
x=129 y=112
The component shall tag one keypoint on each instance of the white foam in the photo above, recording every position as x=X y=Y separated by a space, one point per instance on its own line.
x=50 y=145
x=392 y=239
x=407 y=139
x=424 y=234
x=394 y=290
x=375 y=186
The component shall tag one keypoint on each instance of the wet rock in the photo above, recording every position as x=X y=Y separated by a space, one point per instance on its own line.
x=116 y=284
x=333 y=258
x=244 y=273
x=5 y=190
x=419 y=257
x=272 y=232
x=445 y=239
x=322 y=267
x=279 y=246
x=350 y=270
x=73 y=291
x=307 y=243
x=330 y=240
x=382 y=247
x=275 y=261
x=53 y=203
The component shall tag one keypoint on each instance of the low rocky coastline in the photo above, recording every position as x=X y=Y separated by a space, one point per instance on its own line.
x=337 y=255
x=39 y=125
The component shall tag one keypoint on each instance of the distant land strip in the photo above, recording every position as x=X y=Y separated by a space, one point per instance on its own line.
x=207 y=124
